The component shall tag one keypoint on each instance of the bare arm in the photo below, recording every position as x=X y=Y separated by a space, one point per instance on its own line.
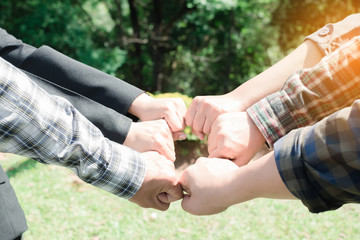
x=204 y=110
x=271 y=80
x=214 y=185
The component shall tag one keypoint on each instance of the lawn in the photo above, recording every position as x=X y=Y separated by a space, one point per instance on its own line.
x=59 y=206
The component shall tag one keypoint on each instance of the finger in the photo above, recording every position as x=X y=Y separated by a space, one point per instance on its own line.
x=198 y=123
x=163 y=197
x=181 y=111
x=175 y=123
x=207 y=126
x=178 y=136
x=168 y=152
x=175 y=193
x=185 y=203
x=209 y=122
x=165 y=143
x=220 y=153
x=165 y=147
x=241 y=161
x=190 y=113
x=159 y=205
x=212 y=143
x=181 y=117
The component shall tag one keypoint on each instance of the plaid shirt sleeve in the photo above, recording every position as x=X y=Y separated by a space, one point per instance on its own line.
x=334 y=35
x=50 y=130
x=320 y=164
x=311 y=94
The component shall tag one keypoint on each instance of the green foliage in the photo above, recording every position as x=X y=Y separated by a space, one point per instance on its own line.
x=296 y=19
x=196 y=47
x=63 y=25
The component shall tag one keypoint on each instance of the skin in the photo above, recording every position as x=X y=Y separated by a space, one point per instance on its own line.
x=160 y=186
x=151 y=136
x=234 y=136
x=162 y=122
x=204 y=110
x=232 y=185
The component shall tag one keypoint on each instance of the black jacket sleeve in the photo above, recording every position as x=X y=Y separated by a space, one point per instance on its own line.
x=67 y=77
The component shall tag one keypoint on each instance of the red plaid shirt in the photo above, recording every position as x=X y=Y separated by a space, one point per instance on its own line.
x=311 y=94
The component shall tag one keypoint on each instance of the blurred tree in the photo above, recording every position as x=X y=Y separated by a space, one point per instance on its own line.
x=296 y=19
x=223 y=44
x=189 y=46
x=63 y=25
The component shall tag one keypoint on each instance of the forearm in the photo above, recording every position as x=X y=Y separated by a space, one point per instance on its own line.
x=318 y=44
x=14 y=50
x=66 y=72
x=311 y=94
x=258 y=179
x=271 y=80
x=320 y=164
x=50 y=130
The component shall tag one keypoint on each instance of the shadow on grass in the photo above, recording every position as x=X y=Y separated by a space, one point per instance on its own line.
x=23 y=166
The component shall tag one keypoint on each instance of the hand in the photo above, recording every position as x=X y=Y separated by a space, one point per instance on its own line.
x=173 y=110
x=160 y=186
x=204 y=110
x=234 y=136
x=213 y=185
x=208 y=184
x=151 y=136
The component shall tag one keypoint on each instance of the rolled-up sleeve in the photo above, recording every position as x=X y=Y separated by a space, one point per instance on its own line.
x=311 y=94
x=320 y=164
x=333 y=35
x=50 y=130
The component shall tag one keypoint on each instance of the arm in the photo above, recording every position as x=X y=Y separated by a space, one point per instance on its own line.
x=204 y=109
x=311 y=94
x=50 y=130
x=307 y=97
x=66 y=72
x=54 y=72
x=100 y=97
x=229 y=184
x=317 y=164
x=320 y=164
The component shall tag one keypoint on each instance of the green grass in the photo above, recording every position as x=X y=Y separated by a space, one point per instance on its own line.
x=58 y=206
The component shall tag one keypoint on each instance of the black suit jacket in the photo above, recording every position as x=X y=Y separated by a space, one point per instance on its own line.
x=101 y=98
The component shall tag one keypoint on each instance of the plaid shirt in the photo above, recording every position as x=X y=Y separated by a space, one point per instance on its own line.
x=319 y=164
x=311 y=94
x=50 y=130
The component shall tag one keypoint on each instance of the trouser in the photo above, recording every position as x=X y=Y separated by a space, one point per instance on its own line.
x=12 y=219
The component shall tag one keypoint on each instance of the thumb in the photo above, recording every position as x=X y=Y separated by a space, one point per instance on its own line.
x=216 y=154
x=186 y=203
x=162 y=197
x=222 y=153
x=174 y=193
x=179 y=136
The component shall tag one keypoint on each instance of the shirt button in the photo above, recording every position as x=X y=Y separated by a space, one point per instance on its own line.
x=68 y=111
x=324 y=31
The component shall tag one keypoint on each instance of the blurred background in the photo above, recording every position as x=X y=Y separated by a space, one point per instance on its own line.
x=169 y=48
x=195 y=47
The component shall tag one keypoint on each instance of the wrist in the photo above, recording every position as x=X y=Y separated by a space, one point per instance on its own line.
x=235 y=97
x=139 y=105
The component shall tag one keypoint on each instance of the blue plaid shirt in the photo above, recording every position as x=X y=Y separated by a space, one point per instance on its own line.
x=50 y=130
x=320 y=164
